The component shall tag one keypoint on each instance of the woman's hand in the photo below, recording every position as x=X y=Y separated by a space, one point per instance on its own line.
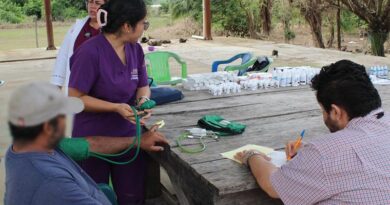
x=147 y=113
x=125 y=111
x=146 y=117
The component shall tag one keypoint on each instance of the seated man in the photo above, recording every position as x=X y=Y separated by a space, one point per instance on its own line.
x=37 y=171
x=348 y=166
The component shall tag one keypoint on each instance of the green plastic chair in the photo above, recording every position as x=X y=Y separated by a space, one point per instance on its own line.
x=109 y=192
x=157 y=65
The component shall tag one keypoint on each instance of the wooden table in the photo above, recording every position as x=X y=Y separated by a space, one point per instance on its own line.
x=272 y=116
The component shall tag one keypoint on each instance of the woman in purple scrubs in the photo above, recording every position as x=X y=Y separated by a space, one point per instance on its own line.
x=107 y=73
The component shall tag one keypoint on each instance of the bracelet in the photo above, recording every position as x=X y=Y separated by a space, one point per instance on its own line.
x=248 y=155
x=142 y=97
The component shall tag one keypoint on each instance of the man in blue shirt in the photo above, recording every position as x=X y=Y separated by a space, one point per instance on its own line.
x=37 y=171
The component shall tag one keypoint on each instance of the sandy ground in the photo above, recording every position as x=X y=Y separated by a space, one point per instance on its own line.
x=198 y=54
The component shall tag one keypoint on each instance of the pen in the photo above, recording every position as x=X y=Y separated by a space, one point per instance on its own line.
x=297 y=143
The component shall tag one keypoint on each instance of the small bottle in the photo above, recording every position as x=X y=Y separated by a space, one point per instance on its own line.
x=283 y=79
x=303 y=76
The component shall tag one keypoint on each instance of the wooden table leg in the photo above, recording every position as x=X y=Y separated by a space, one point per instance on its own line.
x=153 y=185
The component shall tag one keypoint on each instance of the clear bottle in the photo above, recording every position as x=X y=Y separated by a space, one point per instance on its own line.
x=283 y=78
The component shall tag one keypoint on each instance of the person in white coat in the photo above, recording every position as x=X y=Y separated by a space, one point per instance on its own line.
x=80 y=32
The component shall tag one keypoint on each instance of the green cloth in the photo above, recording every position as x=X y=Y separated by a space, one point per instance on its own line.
x=221 y=126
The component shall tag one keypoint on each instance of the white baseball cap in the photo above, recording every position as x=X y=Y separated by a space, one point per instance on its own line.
x=36 y=103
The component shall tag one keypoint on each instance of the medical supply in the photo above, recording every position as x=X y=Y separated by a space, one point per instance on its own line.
x=221 y=126
x=78 y=149
x=195 y=133
x=203 y=81
x=380 y=71
x=160 y=124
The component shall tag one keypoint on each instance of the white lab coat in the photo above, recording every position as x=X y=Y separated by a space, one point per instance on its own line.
x=61 y=71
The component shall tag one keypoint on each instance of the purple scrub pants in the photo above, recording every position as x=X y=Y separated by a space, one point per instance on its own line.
x=128 y=180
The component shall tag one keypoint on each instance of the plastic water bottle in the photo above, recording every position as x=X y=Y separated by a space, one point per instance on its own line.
x=386 y=71
x=275 y=75
x=381 y=71
x=376 y=71
x=371 y=70
x=303 y=76
x=283 y=79
x=288 y=77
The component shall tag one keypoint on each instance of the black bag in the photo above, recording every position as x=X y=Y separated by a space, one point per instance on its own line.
x=261 y=63
x=163 y=95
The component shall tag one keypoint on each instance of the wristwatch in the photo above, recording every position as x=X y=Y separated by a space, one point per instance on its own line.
x=248 y=155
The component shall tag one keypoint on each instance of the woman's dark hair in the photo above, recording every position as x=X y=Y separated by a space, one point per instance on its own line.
x=29 y=134
x=120 y=12
x=347 y=85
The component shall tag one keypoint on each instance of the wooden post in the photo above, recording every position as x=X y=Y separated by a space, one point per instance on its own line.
x=49 y=26
x=36 y=31
x=338 y=25
x=207 y=20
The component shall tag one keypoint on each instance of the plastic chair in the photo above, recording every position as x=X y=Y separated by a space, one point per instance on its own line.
x=109 y=192
x=245 y=57
x=242 y=68
x=157 y=65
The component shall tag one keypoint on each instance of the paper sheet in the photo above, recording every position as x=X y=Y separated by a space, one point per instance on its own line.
x=278 y=158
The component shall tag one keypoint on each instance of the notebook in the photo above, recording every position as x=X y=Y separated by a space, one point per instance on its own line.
x=277 y=158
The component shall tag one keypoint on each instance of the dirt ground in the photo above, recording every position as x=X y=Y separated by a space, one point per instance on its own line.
x=352 y=41
x=199 y=56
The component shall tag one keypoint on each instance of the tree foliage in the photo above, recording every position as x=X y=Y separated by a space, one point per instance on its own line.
x=10 y=12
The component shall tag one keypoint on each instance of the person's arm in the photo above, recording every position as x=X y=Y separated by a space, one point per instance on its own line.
x=142 y=94
x=143 y=84
x=143 y=91
x=61 y=65
x=92 y=104
x=261 y=168
x=64 y=190
x=150 y=141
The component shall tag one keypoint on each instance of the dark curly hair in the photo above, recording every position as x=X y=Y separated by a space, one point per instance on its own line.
x=347 y=85
x=121 y=12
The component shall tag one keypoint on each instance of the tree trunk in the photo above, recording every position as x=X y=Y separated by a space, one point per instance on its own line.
x=266 y=16
x=378 y=39
x=251 y=25
x=331 y=32
x=251 y=22
x=315 y=21
x=338 y=25
x=312 y=14
x=286 y=18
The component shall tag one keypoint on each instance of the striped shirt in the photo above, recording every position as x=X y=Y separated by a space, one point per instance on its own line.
x=351 y=166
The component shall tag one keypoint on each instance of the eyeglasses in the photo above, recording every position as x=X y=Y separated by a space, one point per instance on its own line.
x=97 y=3
x=146 y=25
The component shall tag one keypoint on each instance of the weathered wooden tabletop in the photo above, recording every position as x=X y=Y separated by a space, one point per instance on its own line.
x=272 y=116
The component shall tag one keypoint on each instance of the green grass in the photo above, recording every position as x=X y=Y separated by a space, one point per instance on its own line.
x=25 y=37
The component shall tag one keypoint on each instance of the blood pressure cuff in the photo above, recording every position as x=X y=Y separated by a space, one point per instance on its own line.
x=221 y=126
x=75 y=148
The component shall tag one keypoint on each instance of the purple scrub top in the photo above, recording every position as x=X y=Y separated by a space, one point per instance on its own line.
x=97 y=71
